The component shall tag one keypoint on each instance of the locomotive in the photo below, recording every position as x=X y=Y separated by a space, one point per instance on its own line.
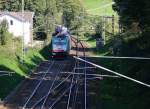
x=61 y=45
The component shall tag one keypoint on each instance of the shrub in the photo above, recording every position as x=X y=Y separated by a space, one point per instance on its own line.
x=4 y=32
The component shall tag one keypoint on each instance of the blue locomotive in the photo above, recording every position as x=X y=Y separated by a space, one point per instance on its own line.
x=61 y=45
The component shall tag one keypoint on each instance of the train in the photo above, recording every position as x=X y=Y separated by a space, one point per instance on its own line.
x=61 y=45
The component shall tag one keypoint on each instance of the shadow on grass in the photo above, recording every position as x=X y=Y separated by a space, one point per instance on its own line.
x=117 y=93
x=46 y=52
x=105 y=50
x=7 y=83
x=80 y=49
x=36 y=59
x=28 y=67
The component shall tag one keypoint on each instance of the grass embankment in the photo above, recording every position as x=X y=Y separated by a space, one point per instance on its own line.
x=10 y=60
x=119 y=93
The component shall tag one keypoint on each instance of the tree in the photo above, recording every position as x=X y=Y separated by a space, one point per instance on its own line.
x=50 y=14
x=133 y=11
x=73 y=14
x=3 y=32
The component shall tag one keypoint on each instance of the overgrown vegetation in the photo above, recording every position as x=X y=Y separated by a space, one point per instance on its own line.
x=10 y=61
x=119 y=93
x=4 y=32
x=49 y=13
x=133 y=42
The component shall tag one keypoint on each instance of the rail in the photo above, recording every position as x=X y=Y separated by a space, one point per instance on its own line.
x=85 y=78
x=38 y=85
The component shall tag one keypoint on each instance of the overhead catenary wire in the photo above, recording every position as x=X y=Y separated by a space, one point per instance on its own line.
x=59 y=98
x=116 y=73
x=51 y=91
x=116 y=57
x=38 y=85
x=94 y=75
x=70 y=91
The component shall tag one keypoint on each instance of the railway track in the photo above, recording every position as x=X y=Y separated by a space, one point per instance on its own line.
x=37 y=90
x=49 y=88
x=78 y=47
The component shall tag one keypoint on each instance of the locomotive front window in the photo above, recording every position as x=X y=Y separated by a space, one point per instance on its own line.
x=59 y=42
x=62 y=36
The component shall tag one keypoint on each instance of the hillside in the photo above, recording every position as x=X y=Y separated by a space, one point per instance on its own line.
x=99 y=7
x=10 y=55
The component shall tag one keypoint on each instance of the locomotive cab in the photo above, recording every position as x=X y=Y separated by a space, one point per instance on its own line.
x=60 y=45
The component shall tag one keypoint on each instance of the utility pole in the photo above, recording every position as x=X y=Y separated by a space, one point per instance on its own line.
x=50 y=17
x=23 y=48
x=47 y=22
x=103 y=30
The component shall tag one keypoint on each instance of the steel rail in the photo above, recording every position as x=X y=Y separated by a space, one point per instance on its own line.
x=50 y=89
x=5 y=75
x=70 y=91
x=85 y=67
x=76 y=91
x=78 y=76
x=62 y=94
x=6 y=72
x=37 y=86
x=78 y=41
x=59 y=98
x=74 y=43
x=100 y=78
x=85 y=82
x=76 y=86
x=97 y=75
x=85 y=86
x=51 y=92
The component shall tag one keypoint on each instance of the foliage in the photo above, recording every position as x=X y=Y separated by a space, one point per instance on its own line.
x=4 y=32
x=99 y=28
x=72 y=14
x=48 y=12
x=9 y=61
x=133 y=11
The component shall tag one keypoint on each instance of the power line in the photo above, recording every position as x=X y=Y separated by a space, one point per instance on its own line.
x=116 y=57
x=121 y=75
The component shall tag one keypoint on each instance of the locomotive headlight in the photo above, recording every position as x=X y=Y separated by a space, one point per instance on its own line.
x=53 y=53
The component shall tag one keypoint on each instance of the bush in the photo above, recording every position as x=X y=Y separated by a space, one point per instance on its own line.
x=4 y=32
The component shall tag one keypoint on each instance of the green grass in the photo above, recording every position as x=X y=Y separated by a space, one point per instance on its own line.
x=120 y=93
x=100 y=4
x=106 y=50
x=10 y=61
